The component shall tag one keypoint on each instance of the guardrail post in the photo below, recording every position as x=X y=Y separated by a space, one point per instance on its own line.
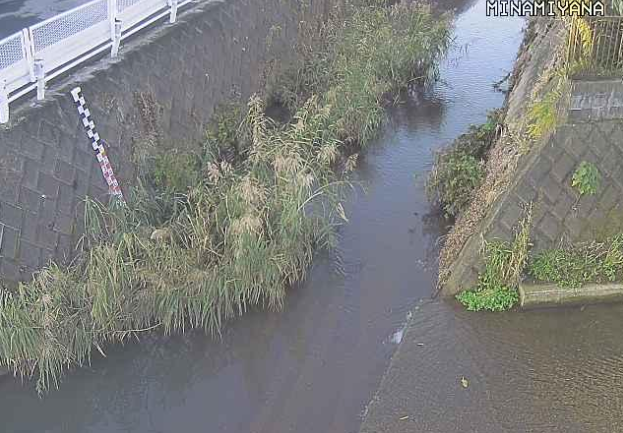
x=4 y=103
x=116 y=39
x=40 y=77
x=173 y=16
x=28 y=49
x=115 y=27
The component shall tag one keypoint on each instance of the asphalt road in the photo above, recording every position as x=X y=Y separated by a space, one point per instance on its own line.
x=17 y=14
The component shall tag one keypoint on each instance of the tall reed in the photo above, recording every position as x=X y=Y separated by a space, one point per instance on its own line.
x=236 y=235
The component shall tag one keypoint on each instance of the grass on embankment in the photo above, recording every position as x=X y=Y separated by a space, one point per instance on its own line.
x=496 y=289
x=459 y=169
x=569 y=266
x=237 y=223
x=574 y=266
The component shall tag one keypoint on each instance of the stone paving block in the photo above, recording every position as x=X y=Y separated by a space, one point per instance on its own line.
x=81 y=183
x=47 y=238
x=598 y=141
x=29 y=254
x=63 y=223
x=9 y=242
x=591 y=157
x=29 y=198
x=539 y=170
x=616 y=135
x=48 y=185
x=10 y=270
x=576 y=147
x=610 y=198
x=48 y=161
x=30 y=226
x=612 y=157
x=549 y=226
x=573 y=226
x=511 y=215
x=64 y=172
x=563 y=206
x=551 y=189
x=525 y=192
x=32 y=147
x=499 y=232
x=11 y=215
x=47 y=257
x=30 y=173
x=563 y=167
x=48 y=133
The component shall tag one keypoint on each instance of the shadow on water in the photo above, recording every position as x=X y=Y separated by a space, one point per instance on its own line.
x=314 y=366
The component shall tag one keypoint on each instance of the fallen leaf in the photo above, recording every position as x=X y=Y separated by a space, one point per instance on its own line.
x=464 y=382
x=404 y=418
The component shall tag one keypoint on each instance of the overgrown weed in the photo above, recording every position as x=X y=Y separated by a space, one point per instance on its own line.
x=201 y=242
x=460 y=169
x=496 y=289
x=572 y=266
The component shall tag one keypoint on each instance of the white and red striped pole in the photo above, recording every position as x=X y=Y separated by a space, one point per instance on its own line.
x=97 y=144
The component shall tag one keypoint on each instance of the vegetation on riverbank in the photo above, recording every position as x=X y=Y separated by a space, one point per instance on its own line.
x=568 y=266
x=572 y=266
x=206 y=236
x=536 y=108
x=459 y=169
x=504 y=264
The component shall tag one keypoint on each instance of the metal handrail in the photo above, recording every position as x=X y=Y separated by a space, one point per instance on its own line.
x=595 y=46
x=38 y=54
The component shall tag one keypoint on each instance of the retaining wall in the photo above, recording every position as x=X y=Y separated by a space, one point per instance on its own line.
x=591 y=130
x=160 y=92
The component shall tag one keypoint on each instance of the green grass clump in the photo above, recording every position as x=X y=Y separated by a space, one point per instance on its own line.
x=176 y=172
x=459 y=170
x=202 y=240
x=574 y=266
x=497 y=283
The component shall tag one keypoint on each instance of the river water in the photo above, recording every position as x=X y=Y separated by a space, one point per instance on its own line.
x=315 y=366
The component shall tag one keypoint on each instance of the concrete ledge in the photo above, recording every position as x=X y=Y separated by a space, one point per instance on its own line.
x=550 y=295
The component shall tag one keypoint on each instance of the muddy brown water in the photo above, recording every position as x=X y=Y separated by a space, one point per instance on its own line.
x=315 y=366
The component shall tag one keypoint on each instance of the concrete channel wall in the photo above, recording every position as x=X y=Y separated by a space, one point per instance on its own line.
x=592 y=132
x=161 y=91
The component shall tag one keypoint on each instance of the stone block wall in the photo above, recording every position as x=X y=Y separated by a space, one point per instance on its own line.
x=161 y=91
x=592 y=132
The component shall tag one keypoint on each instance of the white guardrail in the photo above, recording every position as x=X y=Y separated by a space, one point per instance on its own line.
x=42 y=52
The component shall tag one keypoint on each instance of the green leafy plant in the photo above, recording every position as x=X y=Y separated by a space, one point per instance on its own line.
x=504 y=263
x=575 y=265
x=499 y=299
x=586 y=179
